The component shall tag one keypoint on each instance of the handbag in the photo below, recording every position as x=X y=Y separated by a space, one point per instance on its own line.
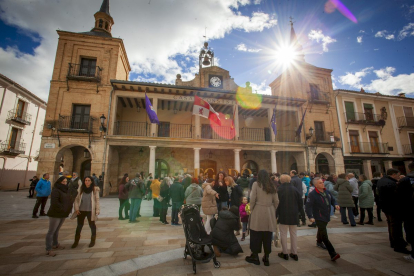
x=160 y=198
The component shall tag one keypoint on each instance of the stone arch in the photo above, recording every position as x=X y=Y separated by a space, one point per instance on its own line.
x=325 y=163
x=250 y=166
x=72 y=157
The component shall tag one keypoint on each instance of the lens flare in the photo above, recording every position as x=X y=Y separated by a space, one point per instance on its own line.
x=225 y=131
x=247 y=99
x=344 y=10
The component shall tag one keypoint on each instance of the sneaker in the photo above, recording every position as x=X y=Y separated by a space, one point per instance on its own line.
x=335 y=257
x=356 y=217
x=321 y=245
x=409 y=258
x=34 y=216
x=334 y=216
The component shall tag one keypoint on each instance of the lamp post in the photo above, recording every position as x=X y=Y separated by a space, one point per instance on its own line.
x=102 y=128
x=245 y=155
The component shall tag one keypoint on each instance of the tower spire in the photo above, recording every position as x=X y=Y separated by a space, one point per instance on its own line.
x=103 y=19
x=105 y=7
x=295 y=43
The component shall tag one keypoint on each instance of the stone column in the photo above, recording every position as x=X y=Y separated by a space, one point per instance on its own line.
x=339 y=161
x=152 y=160
x=154 y=127
x=197 y=127
x=367 y=168
x=196 y=161
x=387 y=165
x=406 y=163
x=237 y=159
x=273 y=160
x=269 y=117
x=236 y=124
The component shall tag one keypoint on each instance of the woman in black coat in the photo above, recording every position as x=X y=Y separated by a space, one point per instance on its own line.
x=221 y=188
x=165 y=194
x=287 y=212
x=60 y=207
x=223 y=236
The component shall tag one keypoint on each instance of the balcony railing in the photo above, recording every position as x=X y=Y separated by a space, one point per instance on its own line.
x=408 y=149
x=131 y=128
x=175 y=130
x=76 y=123
x=363 y=118
x=323 y=138
x=287 y=136
x=319 y=97
x=371 y=148
x=20 y=117
x=12 y=148
x=255 y=134
x=86 y=73
x=218 y=133
x=407 y=122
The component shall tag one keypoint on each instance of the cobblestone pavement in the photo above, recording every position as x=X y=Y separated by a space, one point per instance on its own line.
x=150 y=248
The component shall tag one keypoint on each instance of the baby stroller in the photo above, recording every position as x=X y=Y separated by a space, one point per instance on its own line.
x=196 y=237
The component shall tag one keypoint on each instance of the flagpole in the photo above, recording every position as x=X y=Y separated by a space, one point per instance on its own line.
x=146 y=119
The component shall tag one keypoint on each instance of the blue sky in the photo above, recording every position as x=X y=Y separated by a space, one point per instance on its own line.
x=163 y=38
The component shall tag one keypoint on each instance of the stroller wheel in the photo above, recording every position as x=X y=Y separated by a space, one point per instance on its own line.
x=194 y=268
x=217 y=264
x=185 y=255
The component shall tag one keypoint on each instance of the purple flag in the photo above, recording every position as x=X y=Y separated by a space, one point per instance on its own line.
x=152 y=115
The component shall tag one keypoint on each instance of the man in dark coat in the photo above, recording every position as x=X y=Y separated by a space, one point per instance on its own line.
x=33 y=184
x=318 y=209
x=243 y=182
x=405 y=194
x=387 y=191
x=297 y=183
x=223 y=236
x=177 y=198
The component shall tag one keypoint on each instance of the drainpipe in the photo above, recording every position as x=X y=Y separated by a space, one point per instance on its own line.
x=106 y=139
x=31 y=146
x=2 y=170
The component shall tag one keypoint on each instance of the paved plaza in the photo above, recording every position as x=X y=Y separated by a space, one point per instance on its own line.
x=150 y=248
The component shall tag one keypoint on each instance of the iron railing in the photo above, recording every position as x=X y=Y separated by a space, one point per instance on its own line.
x=319 y=97
x=12 y=147
x=175 y=130
x=255 y=134
x=76 y=123
x=218 y=133
x=362 y=118
x=371 y=148
x=405 y=122
x=287 y=136
x=323 y=138
x=83 y=72
x=132 y=128
x=408 y=149
x=21 y=117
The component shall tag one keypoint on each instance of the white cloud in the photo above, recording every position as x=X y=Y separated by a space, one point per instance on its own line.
x=359 y=39
x=361 y=31
x=406 y=31
x=242 y=47
x=386 y=83
x=261 y=88
x=352 y=62
x=318 y=36
x=376 y=49
x=152 y=42
x=385 y=34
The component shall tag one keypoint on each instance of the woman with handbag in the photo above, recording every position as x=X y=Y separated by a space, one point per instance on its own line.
x=86 y=206
x=163 y=199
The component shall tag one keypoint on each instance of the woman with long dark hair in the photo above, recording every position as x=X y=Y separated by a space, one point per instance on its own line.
x=86 y=206
x=262 y=223
x=123 y=198
x=60 y=207
x=221 y=188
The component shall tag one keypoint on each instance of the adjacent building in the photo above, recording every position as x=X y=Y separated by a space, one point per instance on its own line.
x=21 y=115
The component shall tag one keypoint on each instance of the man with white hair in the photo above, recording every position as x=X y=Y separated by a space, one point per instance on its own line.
x=354 y=184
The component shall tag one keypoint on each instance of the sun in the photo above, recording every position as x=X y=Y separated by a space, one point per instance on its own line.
x=285 y=55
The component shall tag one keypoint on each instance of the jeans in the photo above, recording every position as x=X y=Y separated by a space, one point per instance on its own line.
x=40 y=201
x=124 y=205
x=350 y=215
x=322 y=236
x=259 y=239
x=81 y=220
x=221 y=205
x=174 y=212
x=332 y=210
x=244 y=225
x=395 y=231
x=156 y=208
x=293 y=238
x=53 y=233
x=362 y=215
x=355 y=209
x=134 y=210
x=163 y=210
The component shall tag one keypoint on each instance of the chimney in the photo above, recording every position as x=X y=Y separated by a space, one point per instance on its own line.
x=402 y=95
x=362 y=90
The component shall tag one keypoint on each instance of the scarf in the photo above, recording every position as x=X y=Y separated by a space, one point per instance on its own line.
x=87 y=190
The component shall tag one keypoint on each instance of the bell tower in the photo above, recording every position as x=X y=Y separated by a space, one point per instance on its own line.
x=103 y=19
x=206 y=57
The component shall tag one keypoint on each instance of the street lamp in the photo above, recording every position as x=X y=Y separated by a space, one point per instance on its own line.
x=308 y=136
x=102 y=127
x=245 y=155
x=141 y=152
x=210 y=154
x=86 y=153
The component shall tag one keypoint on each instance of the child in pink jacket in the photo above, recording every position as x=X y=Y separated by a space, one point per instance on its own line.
x=244 y=217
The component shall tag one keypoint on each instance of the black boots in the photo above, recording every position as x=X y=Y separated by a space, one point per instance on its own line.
x=253 y=259
x=75 y=244
x=283 y=256
x=92 y=243
x=265 y=260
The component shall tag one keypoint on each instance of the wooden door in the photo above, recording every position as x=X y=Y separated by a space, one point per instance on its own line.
x=206 y=132
x=20 y=109
x=80 y=117
x=319 y=133
x=13 y=138
x=210 y=167
x=369 y=112
x=354 y=143
x=164 y=129
x=409 y=116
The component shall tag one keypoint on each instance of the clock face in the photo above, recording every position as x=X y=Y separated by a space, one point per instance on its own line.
x=215 y=81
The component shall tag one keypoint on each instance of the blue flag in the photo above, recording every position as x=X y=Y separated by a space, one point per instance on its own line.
x=152 y=115
x=301 y=124
x=273 y=122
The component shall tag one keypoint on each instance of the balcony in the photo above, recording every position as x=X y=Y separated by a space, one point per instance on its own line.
x=408 y=149
x=319 y=97
x=364 y=119
x=324 y=138
x=175 y=130
x=218 y=133
x=255 y=134
x=131 y=128
x=80 y=124
x=405 y=122
x=12 y=148
x=369 y=148
x=20 y=117
x=84 y=73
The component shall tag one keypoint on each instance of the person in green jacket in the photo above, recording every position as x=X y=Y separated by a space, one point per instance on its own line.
x=345 y=200
x=366 y=200
x=243 y=182
x=136 y=191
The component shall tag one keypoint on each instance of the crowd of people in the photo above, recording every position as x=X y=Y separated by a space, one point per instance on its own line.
x=258 y=205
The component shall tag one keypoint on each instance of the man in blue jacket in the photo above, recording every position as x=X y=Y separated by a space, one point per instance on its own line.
x=43 y=190
x=318 y=209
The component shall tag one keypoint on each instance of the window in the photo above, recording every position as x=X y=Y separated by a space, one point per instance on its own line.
x=13 y=138
x=100 y=23
x=319 y=133
x=373 y=140
x=106 y=25
x=314 y=91
x=81 y=116
x=350 y=111
x=20 y=109
x=88 y=67
x=411 y=137
x=354 y=140
x=369 y=112
x=409 y=116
